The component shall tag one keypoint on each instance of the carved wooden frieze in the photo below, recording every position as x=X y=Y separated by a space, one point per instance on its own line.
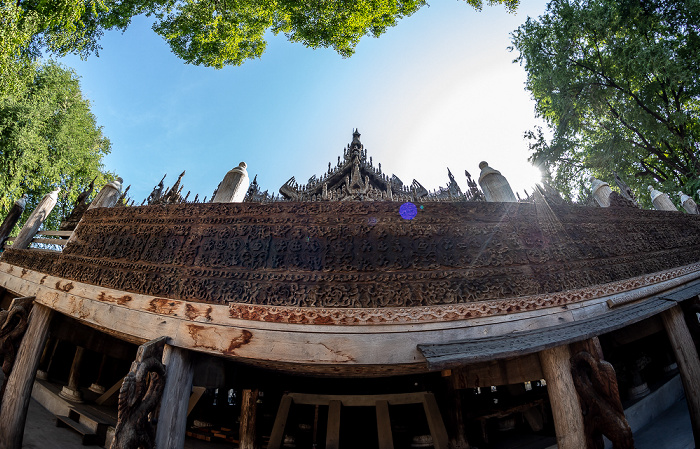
x=366 y=255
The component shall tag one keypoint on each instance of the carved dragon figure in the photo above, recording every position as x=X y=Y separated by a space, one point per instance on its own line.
x=596 y=386
x=14 y=325
x=139 y=398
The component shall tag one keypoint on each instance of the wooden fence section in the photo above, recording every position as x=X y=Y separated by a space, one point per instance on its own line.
x=60 y=238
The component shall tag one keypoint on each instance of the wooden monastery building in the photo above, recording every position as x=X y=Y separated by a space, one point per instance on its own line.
x=352 y=311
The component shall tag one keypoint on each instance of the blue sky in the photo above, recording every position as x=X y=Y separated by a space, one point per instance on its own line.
x=438 y=90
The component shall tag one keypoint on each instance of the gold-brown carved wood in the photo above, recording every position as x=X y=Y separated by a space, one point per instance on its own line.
x=596 y=385
x=139 y=398
x=566 y=409
x=172 y=418
x=688 y=363
x=247 y=429
x=13 y=325
x=15 y=402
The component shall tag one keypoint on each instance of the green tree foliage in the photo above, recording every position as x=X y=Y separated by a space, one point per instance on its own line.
x=48 y=139
x=618 y=83
x=205 y=32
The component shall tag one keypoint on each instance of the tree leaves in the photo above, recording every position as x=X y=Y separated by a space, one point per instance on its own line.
x=49 y=138
x=617 y=83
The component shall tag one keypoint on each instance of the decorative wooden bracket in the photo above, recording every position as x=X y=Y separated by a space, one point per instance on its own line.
x=139 y=398
x=13 y=325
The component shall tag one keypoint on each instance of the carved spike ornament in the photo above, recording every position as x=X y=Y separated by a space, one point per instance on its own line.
x=355 y=178
x=603 y=414
x=13 y=325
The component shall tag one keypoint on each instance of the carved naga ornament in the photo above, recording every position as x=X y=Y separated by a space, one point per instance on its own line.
x=13 y=325
x=139 y=399
x=603 y=414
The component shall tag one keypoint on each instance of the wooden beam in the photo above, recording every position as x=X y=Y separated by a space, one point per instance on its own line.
x=172 y=418
x=277 y=435
x=688 y=363
x=247 y=430
x=568 y=418
x=15 y=403
x=386 y=440
x=333 y=429
x=435 y=422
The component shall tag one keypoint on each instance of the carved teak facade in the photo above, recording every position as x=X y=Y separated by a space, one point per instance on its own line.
x=470 y=321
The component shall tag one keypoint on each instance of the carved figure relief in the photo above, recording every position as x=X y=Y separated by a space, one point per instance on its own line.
x=139 y=399
x=603 y=414
x=13 y=325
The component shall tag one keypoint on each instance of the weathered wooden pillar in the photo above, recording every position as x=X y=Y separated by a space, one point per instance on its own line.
x=15 y=402
x=47 y=358
x=568 y=418
x=661 y=201
x=688 y=363
x=71 y=391
x=108 y=195
x=172 y=419
x=457 y=431
x=11 y=219
x=601 y=191
x=39 y=214
x=494 y=185
x=233 y=187
x=96 y=386
x=247 y=430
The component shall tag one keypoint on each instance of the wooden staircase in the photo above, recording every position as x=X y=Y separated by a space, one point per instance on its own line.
x=92 y=429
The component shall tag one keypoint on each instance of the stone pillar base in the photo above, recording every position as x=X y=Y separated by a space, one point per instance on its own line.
x=95 y=388
x=42 y=375
x=639 y=391
x=71 y=395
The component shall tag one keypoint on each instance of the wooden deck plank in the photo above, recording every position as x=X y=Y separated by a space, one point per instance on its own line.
x=457 y=353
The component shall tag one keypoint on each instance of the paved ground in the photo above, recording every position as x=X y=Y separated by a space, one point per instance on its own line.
x=672 y=430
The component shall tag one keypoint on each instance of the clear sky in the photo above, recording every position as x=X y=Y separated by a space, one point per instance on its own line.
x=438 y=90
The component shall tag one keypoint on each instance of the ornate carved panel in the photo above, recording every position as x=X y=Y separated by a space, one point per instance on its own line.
x=365 y=255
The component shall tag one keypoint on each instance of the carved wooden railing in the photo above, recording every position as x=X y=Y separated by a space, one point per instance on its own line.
x=59 y=238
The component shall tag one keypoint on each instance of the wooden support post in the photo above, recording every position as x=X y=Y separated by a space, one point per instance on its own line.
x=435 y=422
x=172 y=419
x=333 y=428
x=277 y=435
x=46 y=358
x=15 y=402
x=71 y=391
x=457 y=431
x=568 y=418
x=688 y=363
x=96 y=386
x=386 y=439
x=247 y=430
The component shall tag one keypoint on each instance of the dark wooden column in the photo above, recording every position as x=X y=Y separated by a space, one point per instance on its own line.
x=172 y=419
x=568 y=418
x=71 y=391
x=247 y=430
x=15 y=403
x=688 y=363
